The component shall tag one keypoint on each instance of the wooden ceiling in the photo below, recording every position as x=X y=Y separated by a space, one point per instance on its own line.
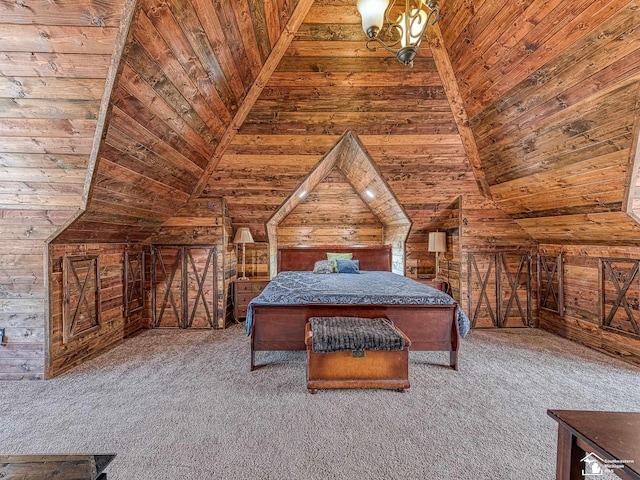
x=552 y=91
x=241 y=99
x=187 y=69
x=328 y=83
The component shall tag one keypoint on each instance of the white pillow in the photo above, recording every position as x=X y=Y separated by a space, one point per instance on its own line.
x=323 y=266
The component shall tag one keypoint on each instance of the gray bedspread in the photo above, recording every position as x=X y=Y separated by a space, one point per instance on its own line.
x=385 y=288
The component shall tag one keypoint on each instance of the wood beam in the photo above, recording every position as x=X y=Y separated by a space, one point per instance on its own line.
x=256 y=89
x=445 y=69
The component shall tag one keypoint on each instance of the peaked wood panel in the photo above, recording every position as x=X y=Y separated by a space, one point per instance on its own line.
x=332 y=214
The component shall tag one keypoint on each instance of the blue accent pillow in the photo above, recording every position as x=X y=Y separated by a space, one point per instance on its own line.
x=348 y=266
x=338 y=256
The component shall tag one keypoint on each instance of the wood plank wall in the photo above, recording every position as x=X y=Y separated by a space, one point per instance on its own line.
x=54 y=58
x=581 y=318
x=332 y=214
x=552 y=91
x=114 y=327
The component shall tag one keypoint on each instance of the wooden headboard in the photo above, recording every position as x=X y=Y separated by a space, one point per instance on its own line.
x=375 y=257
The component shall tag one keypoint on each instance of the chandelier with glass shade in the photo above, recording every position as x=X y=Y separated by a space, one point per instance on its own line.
x=403 y=36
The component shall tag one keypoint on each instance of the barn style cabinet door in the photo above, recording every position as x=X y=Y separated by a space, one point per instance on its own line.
x=81 y=281
x=551 y=283
x=183 y=287
x=620 y=295
x=133 y=282
x=499 y=289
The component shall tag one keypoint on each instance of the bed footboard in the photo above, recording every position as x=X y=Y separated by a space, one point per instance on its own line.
x=431 y=327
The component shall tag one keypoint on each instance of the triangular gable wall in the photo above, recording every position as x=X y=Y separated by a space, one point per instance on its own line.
x=351 y=158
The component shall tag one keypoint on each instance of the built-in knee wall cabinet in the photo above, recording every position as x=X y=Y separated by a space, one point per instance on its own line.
x=100 y=293
x=96 y=299
x=193 y=264
x=184 y=287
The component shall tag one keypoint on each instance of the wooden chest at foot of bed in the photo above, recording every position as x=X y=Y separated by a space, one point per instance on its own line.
x=388 y=369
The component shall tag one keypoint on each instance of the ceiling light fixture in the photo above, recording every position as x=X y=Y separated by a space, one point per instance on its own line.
x=406 y=32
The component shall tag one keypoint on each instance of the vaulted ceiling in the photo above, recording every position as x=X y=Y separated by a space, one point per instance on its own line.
x=536 y=100
x=552 y=92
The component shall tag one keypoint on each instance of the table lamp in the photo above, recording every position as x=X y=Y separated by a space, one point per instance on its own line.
x=437 y=244
x=243 y=236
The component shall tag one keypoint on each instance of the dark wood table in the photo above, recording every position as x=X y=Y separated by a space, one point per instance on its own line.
x=610 y=438
x=54 y=467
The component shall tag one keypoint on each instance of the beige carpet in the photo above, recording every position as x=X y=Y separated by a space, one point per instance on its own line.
x=183 y=405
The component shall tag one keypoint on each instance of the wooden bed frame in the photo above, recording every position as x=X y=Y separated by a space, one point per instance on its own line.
x=282 y=327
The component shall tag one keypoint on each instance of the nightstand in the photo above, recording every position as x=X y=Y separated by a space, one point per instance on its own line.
x=243 y=292
x=437 y=284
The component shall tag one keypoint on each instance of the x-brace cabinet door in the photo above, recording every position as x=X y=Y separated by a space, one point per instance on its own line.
x=168 y=301
x=483 y=288
x=499 y=289
x=184 y=288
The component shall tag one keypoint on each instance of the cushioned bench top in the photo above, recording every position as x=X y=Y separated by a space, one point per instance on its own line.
x=334 y=334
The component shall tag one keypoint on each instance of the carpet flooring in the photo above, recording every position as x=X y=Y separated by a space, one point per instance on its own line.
x=184 y=405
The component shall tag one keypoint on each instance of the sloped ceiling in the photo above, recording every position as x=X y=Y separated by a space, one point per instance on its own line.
x=550 y=89
x=349 y=157
x=328 y=83
x=187 y=69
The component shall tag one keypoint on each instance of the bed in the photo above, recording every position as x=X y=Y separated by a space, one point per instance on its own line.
x=276 y=318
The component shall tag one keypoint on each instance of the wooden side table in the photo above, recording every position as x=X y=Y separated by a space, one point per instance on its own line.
x=597 y=440
x=437 y=284
x=62 y=467
x=243 y=292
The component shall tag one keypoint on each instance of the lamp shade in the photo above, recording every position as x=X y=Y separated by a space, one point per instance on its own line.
x=437 y=242
x=372 y=13
x=243 y=235
x=416 y=25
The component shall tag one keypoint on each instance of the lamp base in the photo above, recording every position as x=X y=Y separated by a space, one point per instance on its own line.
x=243 y=278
